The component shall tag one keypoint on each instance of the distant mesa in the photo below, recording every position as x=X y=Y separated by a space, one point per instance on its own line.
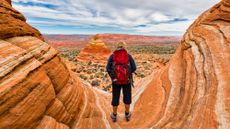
x=95 y=51
x=110 y=39
x=139 y=39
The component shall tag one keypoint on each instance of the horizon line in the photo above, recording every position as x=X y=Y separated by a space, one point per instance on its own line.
x=116 y=34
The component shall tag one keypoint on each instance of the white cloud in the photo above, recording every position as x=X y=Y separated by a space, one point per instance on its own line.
x=173 y=27
x=158 y=17
x=154 y=15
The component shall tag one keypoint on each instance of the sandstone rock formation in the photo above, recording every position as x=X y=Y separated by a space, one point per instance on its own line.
x=13 y=23
x=95 y=51
x=192 y=91
x=36 y=88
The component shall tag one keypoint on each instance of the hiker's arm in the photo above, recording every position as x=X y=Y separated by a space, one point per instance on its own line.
x=109 y=66
x=132 y=64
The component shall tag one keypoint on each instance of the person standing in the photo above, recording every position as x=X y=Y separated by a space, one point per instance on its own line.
x=120 y=67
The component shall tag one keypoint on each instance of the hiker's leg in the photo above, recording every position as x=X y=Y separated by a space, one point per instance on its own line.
x=127 y=107
x=115 y=109
x=116 y=90
x=127 y=96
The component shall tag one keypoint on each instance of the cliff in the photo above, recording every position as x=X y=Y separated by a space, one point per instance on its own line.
x=37 y=89
x=192 y=91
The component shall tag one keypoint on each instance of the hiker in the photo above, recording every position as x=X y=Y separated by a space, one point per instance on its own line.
x=120 y=67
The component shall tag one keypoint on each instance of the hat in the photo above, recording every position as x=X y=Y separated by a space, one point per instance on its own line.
x=121 y=45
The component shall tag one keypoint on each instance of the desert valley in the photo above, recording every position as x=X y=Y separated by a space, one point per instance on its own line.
x=88 y=54
x=59 y=81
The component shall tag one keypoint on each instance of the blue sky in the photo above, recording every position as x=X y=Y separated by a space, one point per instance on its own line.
x=145 y=17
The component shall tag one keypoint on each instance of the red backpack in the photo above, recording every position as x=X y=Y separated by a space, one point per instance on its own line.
x=121 y=66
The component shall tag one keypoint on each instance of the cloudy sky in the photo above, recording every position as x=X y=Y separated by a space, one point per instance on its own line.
x=147 y=17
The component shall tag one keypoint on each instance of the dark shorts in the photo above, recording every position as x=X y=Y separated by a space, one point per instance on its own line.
x=116 y=91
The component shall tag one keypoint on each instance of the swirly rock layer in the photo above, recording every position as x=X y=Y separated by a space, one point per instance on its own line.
x=37 y=90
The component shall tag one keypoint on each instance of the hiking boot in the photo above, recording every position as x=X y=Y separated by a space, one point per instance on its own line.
x=114 y=117
x=127 y=116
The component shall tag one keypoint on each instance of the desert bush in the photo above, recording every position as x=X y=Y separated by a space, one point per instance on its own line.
x=94 y=70
x=108 y=87
x=68 y=52
x=95 y=82
x=82 y=76
x=106 y=75
x=102 y=70
x=90 y=62
x=152 y=49
x=99 y=74
x=95 y=65
x=89 y=71
x=91 y=77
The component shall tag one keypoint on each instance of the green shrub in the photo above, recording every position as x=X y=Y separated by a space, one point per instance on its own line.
x=95 y=82
x=82 y=76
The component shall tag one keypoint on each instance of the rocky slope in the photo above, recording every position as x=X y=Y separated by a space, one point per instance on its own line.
x=95 y=51
x=192 y=91
x=37 y=90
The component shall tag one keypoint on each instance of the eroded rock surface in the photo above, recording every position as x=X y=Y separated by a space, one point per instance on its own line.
x=37 y=90
x=14 y=23
x=95 y=51
x=192 y=91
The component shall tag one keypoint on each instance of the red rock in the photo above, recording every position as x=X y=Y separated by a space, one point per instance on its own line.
x=95 y=51
x=138 y=39
x=37 y=90
x=9 y=1
x=194 y=86
x=14 y=23
x=111 y=39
